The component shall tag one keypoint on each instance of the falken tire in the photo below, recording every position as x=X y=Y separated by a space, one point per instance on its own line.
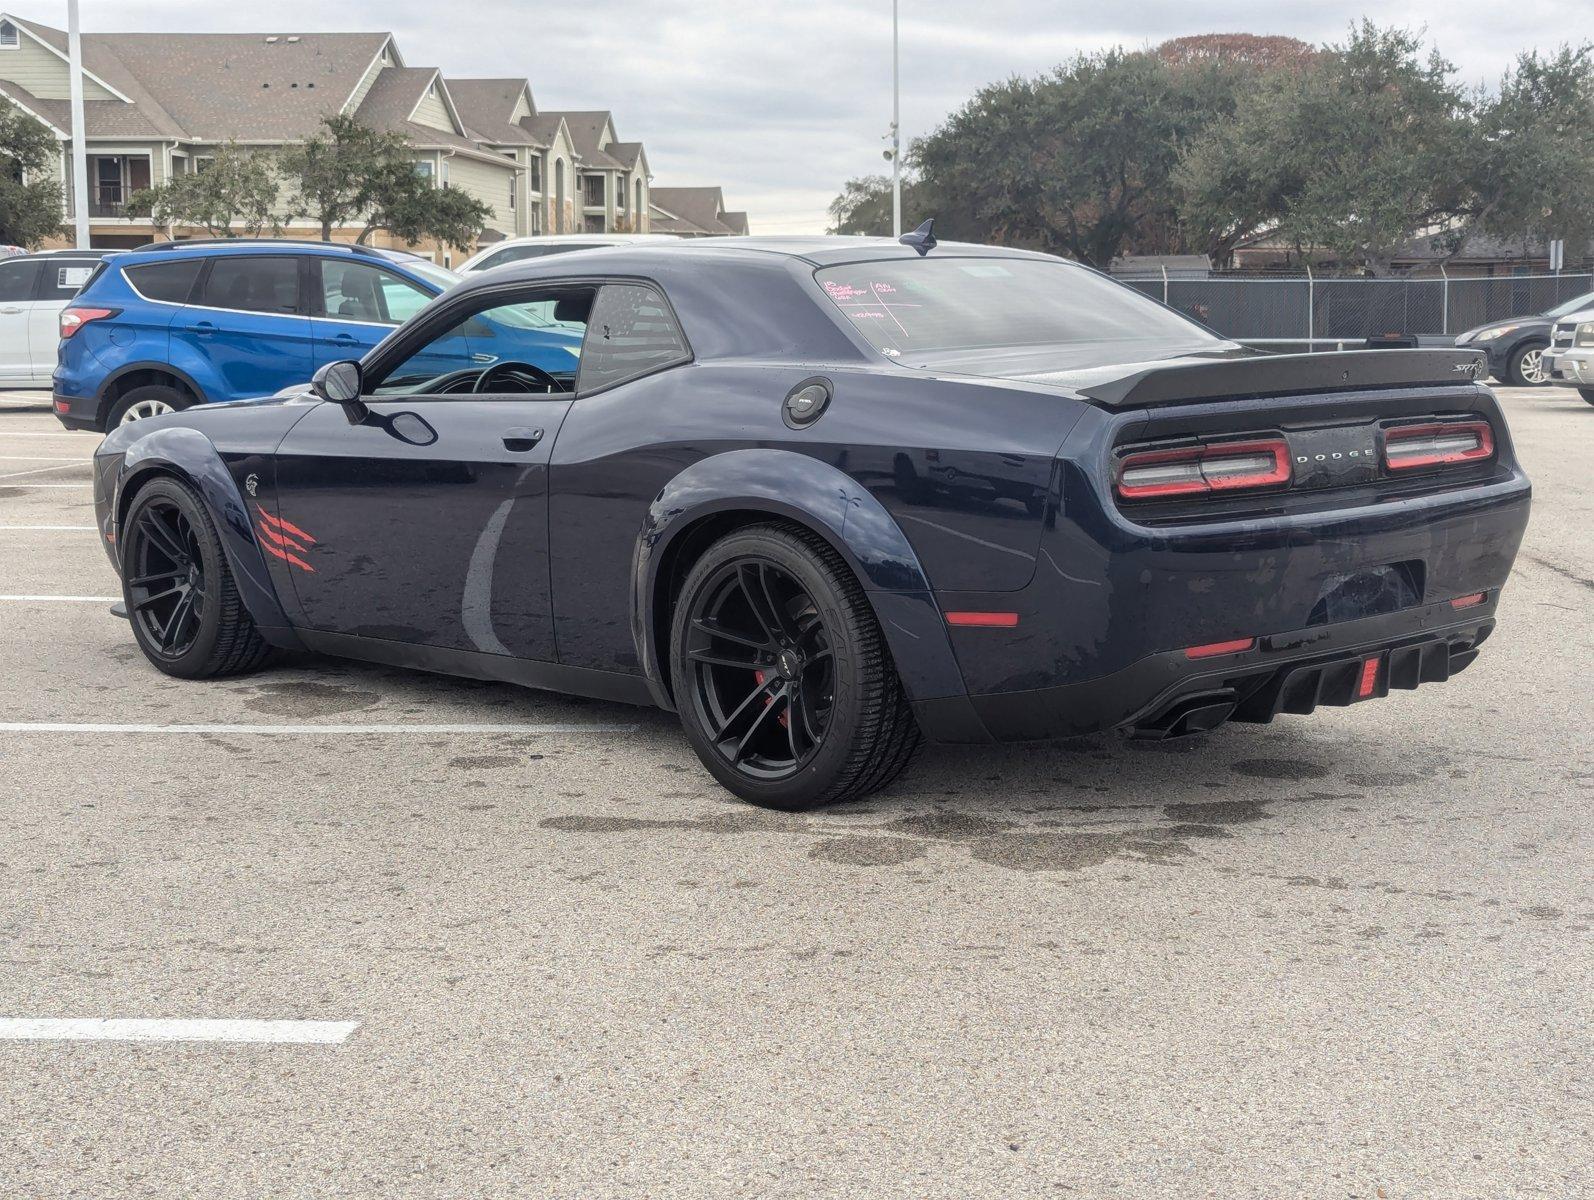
x=869 y=735
x=182 y=551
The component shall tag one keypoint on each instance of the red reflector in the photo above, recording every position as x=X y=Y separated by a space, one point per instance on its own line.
x=1213 y=649
x=63 y=406
x=1471 y=601
x=1437 y=445
x=1198 y=470
x=983 y=620
x=1369 y=679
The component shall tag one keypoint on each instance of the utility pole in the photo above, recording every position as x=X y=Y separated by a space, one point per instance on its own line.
x=80 y=158
x=896 y=131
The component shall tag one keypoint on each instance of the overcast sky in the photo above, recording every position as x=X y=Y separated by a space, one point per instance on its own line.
x=780 y=103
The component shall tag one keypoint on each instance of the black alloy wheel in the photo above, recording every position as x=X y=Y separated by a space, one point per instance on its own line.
x=182 y=601
x=166 y=582
x=762 y=668
x=784 y=683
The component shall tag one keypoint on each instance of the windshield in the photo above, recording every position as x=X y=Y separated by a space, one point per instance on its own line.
x=938 y=309
x=1576 y=304
x=441 y=276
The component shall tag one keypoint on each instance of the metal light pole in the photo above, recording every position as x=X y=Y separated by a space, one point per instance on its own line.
x=80 y=158
x=896 y=130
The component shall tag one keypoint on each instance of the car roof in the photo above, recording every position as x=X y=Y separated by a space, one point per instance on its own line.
x=92 y=253
x=274 y=246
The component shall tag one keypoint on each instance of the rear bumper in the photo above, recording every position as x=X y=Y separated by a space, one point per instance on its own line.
x=76 y=412
x=1169 y=694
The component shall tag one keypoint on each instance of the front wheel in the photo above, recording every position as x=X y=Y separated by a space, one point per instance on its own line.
x=1526 y=368
x=185 y=609
x=784 y=683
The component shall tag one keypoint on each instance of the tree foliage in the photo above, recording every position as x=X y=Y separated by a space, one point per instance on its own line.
x=237 y=193
x=334 y=173
x=29 y=211
x=405 y=203
x=1352 y=150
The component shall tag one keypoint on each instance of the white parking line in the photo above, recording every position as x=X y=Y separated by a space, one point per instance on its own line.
x=40 y=486
x=69 y=727
x=56 y=528
x=64 y=599
x=42 y=458
x=41 y=470
x=134 y=1029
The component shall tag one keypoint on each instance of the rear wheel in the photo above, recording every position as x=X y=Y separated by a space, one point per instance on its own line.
x=185 y=609
x=1526 y=367
x=151 y=400
x=785 y=686
x=1587 y=394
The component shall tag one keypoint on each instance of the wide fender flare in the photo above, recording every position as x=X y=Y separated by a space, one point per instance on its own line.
x=830 y=503
x=190 y=455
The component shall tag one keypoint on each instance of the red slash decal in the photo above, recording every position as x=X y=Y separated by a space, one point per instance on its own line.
x=283 y=539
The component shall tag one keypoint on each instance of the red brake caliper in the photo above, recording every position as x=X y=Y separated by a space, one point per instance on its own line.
x=758 y=677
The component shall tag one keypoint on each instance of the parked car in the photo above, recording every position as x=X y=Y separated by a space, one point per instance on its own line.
x=1163 y=531
x=34 y=288
x=520 y=249
x=1515 y=346
x=1570 y=358
x=183 y=323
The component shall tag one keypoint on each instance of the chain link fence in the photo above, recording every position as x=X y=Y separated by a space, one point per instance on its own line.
x=1293 y=313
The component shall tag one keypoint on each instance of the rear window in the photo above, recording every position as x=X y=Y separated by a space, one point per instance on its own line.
x=63 y=277
x=916 y=310
x=168 y=281
x=263 y=283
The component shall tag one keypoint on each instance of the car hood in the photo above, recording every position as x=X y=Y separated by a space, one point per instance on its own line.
x=1531 y=324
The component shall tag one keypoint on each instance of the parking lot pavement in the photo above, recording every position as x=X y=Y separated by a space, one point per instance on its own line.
x=1345 y=955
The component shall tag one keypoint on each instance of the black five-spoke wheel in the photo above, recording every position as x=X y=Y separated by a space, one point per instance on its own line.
x=781 y=675
x=186 y=612
x=762 y=668
x=166 y=583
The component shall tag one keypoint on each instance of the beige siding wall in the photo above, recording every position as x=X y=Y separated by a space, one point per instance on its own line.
x=487 y=183
x=34 y=67
x=432 y=111
x=385 y=59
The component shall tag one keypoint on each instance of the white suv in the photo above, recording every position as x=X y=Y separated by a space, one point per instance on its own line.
x=1570 y=358
x=34 y=288
x=518 y=249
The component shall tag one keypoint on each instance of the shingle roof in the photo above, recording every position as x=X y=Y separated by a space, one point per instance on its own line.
x=701 y=208
x=209 y=86
x=627 y=154
x=543 y=127
x=486 y=105
x=104 y=118
x=586 y=129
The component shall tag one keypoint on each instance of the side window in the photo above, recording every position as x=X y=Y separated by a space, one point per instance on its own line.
x=172 y=282
x=262 y=283
x=17 y=279
x=631 y=332
x=62 y=277
x=530 y=346
x=358 y=291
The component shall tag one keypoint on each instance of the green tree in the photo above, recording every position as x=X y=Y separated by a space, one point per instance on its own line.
x=1527 y=170
x=864 y=206
x=30 y=198
x=334 y=173
x=1355 y=153
x=406 y=204
x=237 y=192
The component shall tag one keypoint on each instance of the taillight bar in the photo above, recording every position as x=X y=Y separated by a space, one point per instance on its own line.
x=73 y=319
x=1441 y=444
x=1203 y=469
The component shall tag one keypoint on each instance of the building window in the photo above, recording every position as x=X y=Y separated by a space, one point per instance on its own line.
x=593 y=224
x=9 y=38
x=514 y=183
x=638 y=209
x=592 y=189
x=203 y=163
x=424 y=169
x=535 y=177
x=445 y=172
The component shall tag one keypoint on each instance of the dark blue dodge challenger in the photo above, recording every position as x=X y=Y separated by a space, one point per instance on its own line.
x=826 y=498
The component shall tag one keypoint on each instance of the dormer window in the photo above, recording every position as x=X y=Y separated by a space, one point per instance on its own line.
x=9 y=38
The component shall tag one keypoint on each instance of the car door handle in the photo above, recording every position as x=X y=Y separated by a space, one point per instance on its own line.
x=10 y=312
x=202 y=328
x=345 y=339
x=520 y=440
x=484 y=358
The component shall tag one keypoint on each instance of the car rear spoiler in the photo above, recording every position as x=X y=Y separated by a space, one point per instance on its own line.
x=1178 y=380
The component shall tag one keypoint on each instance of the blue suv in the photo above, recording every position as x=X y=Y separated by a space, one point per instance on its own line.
x=174 y=324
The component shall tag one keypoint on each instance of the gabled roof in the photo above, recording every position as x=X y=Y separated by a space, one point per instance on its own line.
x=627 y=154
x=587 y=128
x=545 y=128
x=210 y=86
x=487 y=106
x=698 y=210
x=391 y=103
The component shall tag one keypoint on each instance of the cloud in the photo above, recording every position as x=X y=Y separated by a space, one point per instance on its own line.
x=782 y=103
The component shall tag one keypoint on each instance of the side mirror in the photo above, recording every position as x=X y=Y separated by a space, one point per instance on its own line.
x=341 y=383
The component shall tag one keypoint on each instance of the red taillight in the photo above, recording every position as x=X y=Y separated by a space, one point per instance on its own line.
x=1214 y=649
x=1200 y=470
x=1369 y=678
x=983 y=620
x=1471 y=601
x=62 y=406
x=73 y=319
x=1437 y=445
